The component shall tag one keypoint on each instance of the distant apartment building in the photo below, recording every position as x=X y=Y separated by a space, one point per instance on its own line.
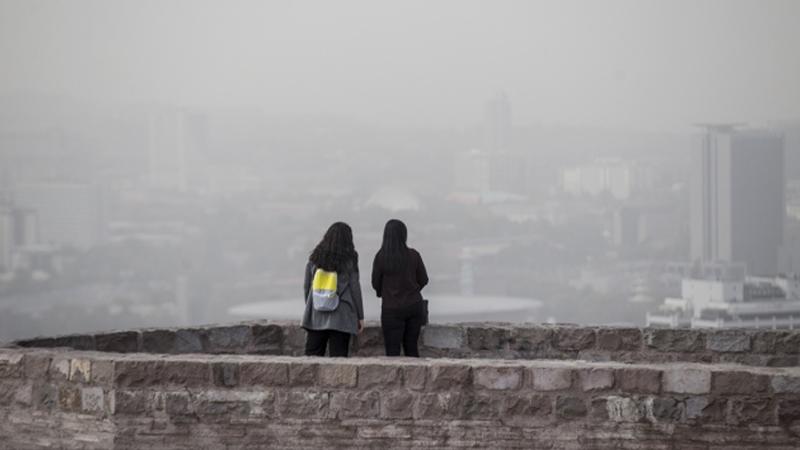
x=67 y=213
x=496 y=168
x=18 y=232
x=613 y=176
x=174 y=140
x=497 y=123
x=738 y=206
x=6 y=239
x=747 y=302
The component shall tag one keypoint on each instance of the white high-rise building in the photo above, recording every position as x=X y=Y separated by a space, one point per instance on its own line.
x=738 y=200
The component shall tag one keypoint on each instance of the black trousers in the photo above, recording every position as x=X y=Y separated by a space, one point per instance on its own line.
x=401 y=326
x=337 y=342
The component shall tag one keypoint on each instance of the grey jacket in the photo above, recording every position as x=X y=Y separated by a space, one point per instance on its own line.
x=345 y=318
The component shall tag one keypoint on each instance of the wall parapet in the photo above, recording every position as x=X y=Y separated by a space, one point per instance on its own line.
x=773 y=348
x=86 y=399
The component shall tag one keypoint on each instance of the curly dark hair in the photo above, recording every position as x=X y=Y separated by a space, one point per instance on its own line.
x=336 y=249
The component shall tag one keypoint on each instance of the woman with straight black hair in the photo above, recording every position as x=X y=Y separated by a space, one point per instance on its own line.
x=398 y=276
x=332 y=275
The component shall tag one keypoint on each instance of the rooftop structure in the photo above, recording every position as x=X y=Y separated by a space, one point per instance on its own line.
x=752 y=302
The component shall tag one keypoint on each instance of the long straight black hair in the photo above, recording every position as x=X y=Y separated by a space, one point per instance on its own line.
x=394 y=250
x=336 y=248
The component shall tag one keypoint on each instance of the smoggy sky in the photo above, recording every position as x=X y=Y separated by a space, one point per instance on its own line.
x=626 y=63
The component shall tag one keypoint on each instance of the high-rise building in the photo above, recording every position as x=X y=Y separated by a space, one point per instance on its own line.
x=6 y=238
x=497 y=123
x=738 y=205
x=67 y=213
x=174 y=140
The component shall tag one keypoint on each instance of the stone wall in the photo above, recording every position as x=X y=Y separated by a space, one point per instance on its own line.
x=70 y=399
x=483 y=340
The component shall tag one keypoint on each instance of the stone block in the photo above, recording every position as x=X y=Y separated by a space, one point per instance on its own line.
x=136 y=373
x=8 y=389
x=304 y=404
x=774 y=341
x=729 y=341
x=450 y=377
x=551 y=379
x=36 y=366
x=674 y=340
x=527 y=405
x=131 y=402
x=227 y=405
x=638 y=380
x=487 y=337
x=183 y=373
x=497 y=378
x=189 y=340
x=267 y=339
x=695 y=407
x=596 y=379
x=780 y=361
x=338 y=375
x=24 y=394
x=234 y=339
x=414 y=377
x=733 y=382
x=294 y=340
x=80 y=370
x=438 y=405
x=664 y=409
x=789 y=411
x=177 y=403
x=764 y=341
x=77 y=342
x=102 y=372
x=574 y=338
x=443 y=336
x=752 y=411
x=69 y=398
x=687 y=381
x=379 y=376
x=785 y=384
x=120 y=342
x=532 y=339
x=59 y=368
x=303 y=374
x=225 y=374
x=160 y=341
x=570 y=408
x=369 y=342
x=397 y=404
x=45 y=396
x=623 y=409
x=350 y=404
x=264 y=373
x=619 y=339
x=93 y=400
x=11 y=365
x=480 y=405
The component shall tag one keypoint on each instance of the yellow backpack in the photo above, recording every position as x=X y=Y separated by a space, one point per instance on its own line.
x=323 y=291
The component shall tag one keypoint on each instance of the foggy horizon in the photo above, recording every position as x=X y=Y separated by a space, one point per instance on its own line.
x=659 y=66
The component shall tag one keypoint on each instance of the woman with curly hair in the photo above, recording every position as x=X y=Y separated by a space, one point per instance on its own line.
x=334 y=309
